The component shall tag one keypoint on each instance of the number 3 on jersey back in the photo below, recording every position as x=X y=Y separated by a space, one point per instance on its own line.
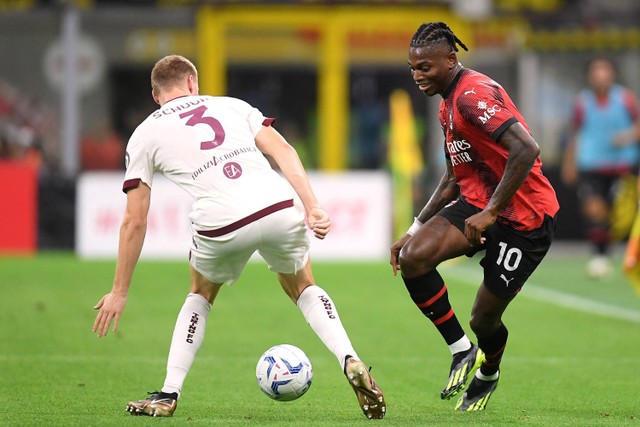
x=196 y=116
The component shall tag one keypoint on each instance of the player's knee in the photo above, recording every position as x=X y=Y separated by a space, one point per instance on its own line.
x=415 y=262
x=406 y=259
x=410 y=265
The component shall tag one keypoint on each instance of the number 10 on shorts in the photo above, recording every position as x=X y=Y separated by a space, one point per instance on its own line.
x=509 y=257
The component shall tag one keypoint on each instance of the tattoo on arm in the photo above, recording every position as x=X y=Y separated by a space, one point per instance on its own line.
x=523 y=152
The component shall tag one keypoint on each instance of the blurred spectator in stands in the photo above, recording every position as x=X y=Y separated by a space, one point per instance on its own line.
x=102 y=148
x=18 y=134
x=602 y=155
x=368 y=119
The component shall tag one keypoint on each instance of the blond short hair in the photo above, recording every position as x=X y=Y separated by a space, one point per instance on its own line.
x=171 y=71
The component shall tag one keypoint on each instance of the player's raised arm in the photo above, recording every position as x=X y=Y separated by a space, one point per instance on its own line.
x=132 y=233
x=270 y=142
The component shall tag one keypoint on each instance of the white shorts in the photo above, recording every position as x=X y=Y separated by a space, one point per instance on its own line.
x=280 y=238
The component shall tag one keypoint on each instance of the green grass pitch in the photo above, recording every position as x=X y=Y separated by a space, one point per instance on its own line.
x=573 y=355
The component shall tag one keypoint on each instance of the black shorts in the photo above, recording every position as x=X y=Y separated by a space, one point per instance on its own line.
x=511 y=255
x=594 y=184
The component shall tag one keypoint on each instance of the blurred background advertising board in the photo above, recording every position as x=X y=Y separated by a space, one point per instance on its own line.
x=359 y=204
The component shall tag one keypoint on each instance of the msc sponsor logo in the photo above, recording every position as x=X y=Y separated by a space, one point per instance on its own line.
x=488 y=111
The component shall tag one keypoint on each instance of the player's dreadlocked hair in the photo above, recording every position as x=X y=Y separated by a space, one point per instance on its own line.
x=433 y=33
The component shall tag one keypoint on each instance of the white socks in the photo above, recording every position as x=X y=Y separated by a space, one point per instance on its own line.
x=316 y=306
x=463 y=344
x=481 y=376
x=187 y=339
x=320 y=312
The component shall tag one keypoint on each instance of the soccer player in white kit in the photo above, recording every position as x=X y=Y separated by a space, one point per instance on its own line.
x=214 y=148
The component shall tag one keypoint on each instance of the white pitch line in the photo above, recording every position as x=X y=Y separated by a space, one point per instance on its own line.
x=551 y=296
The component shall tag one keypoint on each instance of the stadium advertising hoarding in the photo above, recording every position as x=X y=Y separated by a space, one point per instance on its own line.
x=19 y=213
x=359 y=204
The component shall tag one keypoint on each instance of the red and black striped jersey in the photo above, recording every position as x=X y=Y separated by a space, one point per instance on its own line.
x=474 y=113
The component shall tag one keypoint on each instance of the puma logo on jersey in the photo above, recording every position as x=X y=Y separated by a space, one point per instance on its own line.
x=467 y=92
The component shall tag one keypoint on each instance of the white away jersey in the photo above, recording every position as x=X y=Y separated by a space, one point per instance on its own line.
x=206 y=146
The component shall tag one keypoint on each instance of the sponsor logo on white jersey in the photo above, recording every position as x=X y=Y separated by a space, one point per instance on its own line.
x=232 y=170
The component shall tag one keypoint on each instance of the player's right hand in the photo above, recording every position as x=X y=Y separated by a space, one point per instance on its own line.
x=111 y=306
x=395 y=253
x=319 y=222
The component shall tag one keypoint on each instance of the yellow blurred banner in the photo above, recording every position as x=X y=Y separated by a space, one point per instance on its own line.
x=623 y=212
x=631 y=261
x=405 y=159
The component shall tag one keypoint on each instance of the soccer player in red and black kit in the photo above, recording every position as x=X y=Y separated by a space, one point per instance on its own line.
x=492 y=197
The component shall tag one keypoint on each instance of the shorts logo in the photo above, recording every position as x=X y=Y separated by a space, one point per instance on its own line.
x=503 y=277
x=232 y=170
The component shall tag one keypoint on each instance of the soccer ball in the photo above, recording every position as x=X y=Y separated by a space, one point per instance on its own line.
x=284 y=372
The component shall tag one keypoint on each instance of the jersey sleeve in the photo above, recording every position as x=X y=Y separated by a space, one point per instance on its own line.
x=257 y=120
x=483 y=105
x=254 y=116
x=138 y=161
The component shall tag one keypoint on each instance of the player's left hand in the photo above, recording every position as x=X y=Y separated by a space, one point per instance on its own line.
x=319 y=222
x=395 y=253
x=111 y=306
x=476 y=224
